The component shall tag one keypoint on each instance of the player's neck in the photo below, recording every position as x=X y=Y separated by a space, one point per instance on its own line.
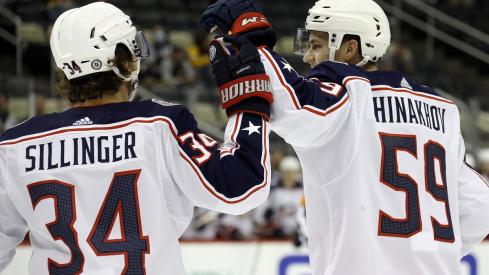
x=357 y=58
x=370 y=67
x=121 y=96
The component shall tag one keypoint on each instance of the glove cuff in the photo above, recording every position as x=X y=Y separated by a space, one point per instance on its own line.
x=248 y=22
x=254 y=105
x=245 y=87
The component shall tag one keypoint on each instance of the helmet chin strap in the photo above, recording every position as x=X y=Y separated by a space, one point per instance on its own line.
x=133 y=78
x=364 y=61
x=332 y=51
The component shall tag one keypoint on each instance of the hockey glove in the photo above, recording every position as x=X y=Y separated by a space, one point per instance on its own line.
x=243 y=84
x=239 y=17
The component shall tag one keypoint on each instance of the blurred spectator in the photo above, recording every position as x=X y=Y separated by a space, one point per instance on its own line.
x=160 y=49
x=300 y=216
x=180 y=78
x=160 y=39
x=279 y=219
x=40 y=105
x=276 y=157
x=398 y=57
x=176 y=71
x=237 y=227
x=7 y=119
x=204 y=225
x=198 y=54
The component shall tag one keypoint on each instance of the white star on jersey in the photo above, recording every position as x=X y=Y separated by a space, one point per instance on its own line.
x=287 y=66
x=252 y=129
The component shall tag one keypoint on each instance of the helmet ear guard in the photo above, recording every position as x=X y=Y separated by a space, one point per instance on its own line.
x=338 y=18
x=133 y=78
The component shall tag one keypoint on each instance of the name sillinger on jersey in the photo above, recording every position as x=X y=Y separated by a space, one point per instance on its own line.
x=80 y=151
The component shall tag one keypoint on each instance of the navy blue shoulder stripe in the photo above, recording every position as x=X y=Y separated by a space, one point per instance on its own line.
x=236 y=173
x=97 y=115
x=397 y=80
x=336 y=72
x=317 y=93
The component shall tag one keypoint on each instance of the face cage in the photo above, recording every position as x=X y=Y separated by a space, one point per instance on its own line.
x=140 y=46
x=301 y=41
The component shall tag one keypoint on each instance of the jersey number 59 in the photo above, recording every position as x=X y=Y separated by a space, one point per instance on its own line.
x=390 y=176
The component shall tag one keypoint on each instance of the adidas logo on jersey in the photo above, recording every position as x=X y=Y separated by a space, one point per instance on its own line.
x=405 y=84
x=83 y=121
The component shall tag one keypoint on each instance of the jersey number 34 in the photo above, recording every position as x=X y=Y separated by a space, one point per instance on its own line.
x=121 y=200
x=390 y=176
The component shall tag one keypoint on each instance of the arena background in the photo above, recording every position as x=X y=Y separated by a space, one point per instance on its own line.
x=443 y=44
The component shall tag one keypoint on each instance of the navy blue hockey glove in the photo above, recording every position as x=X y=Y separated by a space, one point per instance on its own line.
x=239 y=17
x=243 y=84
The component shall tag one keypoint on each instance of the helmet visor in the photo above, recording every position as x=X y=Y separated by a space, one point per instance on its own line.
x=301 y=41
x=141 y=49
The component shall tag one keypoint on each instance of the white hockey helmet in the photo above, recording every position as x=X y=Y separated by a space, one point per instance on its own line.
x=84 y=39
x=290 y=163
x=340 y=17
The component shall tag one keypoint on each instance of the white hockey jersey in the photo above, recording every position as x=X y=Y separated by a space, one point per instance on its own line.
x=110 y=189
x=386 y=185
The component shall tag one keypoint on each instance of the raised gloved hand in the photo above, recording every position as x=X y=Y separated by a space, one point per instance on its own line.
x=239 y=17
x=243 y=84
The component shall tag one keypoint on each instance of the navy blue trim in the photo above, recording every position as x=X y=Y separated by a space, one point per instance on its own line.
x=307 y=90
x=328 y=71
x=238 y=174
x=394 y=80
x=98 y=115
x=230 y=176
x=336 y=72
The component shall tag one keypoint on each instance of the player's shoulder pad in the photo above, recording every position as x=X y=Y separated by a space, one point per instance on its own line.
x=171 y=110
x=158 y=107
x=34 y=125
x=98 y=116
x=180 y=115
x=424 y=89
x=398 y=80
x=336 y=72
x=164 y=103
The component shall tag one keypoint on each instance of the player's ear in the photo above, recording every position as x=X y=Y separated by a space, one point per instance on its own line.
x=351 y=49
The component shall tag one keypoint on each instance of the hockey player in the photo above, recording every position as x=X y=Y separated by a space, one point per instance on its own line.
x=387 y=188
x=107 y=187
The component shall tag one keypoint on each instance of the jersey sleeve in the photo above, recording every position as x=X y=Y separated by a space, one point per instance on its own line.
x=310 y=105
x=12 y=227
x=473 y=204
x=233 y=178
